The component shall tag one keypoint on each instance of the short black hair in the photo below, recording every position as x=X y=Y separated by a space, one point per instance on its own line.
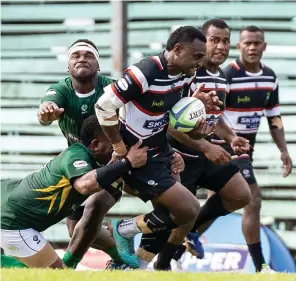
x=251 y=28
x=218 y=23
x=90 y=130
x=85 y=41
x=184 y=34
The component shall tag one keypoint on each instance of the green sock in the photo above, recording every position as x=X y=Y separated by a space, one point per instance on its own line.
x=113 y=253
x=7 y=262
x=71 y=261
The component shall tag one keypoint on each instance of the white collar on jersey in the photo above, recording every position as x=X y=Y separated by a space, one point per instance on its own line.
x=174 y=76
x=213 y=74
x=85 y=95
x=254 y=74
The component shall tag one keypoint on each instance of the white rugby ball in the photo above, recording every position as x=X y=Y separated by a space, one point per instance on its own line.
x=186 y=113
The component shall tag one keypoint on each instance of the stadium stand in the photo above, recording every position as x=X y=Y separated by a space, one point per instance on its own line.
x=35 y=37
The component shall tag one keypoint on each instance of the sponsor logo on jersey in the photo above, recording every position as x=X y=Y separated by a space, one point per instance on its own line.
x=80 y=164
x=51 y=92
x=251 y=122
x=244 y=99
x=84 y=108
x=122 y=84
x=157 y=123
x=157 y=104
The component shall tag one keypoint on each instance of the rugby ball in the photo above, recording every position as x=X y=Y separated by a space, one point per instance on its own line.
x=186 y=113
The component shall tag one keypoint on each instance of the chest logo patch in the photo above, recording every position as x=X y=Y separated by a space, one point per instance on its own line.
x=84 y=108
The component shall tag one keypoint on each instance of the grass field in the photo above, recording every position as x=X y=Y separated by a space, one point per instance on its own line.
x=64 y=275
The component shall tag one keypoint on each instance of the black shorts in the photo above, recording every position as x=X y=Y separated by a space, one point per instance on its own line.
x=76 y=215
x=153 y=179
x=202 y=173
x=245 y=166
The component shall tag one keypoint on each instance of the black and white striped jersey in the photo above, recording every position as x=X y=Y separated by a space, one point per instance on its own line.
x=147 y=92
x=213 y=82
x=251 y=95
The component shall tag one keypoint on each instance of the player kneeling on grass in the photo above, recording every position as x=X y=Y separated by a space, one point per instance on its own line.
x=43 y=198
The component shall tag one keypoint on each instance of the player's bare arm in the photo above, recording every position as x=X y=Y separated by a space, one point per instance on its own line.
x=106 y=108
x=277 y=132
x=213 y=152
x=239 y=145
x=101 y=178
x=49 y=112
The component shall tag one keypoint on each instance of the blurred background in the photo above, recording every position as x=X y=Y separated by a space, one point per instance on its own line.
x=35 y=36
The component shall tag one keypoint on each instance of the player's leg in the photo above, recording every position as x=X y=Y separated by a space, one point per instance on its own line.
x=191 y=178
x=29 y=247
x=178 y=208
x=232 y=192
x=152 y=243
x=87 y=231
x=251 y=215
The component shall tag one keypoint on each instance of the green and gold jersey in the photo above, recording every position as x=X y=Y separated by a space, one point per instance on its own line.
x=46 y=196
x=77 y=106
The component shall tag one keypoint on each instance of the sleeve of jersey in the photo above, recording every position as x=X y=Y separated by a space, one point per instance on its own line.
x=54 y=94
x=106 y=81
x=75 y=164
x=272 y=107
x=131 y=85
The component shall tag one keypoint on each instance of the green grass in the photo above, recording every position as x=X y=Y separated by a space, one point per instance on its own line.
x=64 y=275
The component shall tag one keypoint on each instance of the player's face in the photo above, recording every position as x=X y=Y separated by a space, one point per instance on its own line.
x=218 y=45
x=83 y=64
x=251 y=46
x=102 y=149
x=189 y=56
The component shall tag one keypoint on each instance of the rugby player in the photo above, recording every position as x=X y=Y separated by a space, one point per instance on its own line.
x=43 y=198
x=70 y=101
x=145 y=94
x=207 y=165
x=253 y=93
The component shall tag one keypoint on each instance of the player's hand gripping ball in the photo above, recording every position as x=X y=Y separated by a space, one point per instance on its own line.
x=186 y=113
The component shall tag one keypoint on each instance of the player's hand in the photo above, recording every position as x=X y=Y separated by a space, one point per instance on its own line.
x=201 y=130
x=217 y=155
x=177 y=165
x=49 y=111
x=240 y=145
x=210 y=99
x=137 y=156
x=287 y=164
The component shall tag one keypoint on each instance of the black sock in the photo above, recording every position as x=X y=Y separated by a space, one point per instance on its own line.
x=212 y=209
x=180 y=251
x=165 y=256
x=255 y=251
